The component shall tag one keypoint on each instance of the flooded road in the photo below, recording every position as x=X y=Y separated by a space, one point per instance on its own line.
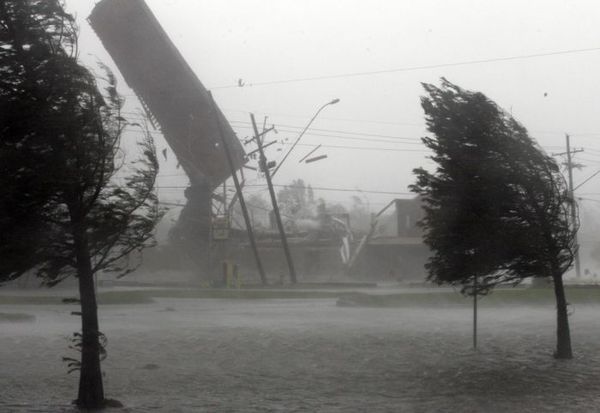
x=209 y=355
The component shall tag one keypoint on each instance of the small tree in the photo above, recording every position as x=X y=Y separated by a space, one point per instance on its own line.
x=258 y=209
x=497 y=207
x=293 y=199
x=86 y=207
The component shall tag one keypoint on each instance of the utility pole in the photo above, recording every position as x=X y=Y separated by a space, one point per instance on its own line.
x=572 y=199
x=238 y=190
x=265 y=169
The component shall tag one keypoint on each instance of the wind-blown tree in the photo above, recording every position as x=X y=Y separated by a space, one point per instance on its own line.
x=296 y=199
x=496 y=207
x=73 y=205
x=258 y=210
x=27 y=73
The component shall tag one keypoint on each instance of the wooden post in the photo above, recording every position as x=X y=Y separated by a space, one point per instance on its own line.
x=573 y=208
x=238 y=190
x=263 y=164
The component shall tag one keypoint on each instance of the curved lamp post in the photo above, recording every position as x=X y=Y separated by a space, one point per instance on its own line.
x=333 y=102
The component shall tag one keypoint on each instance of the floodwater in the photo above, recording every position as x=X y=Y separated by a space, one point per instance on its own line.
x=185 y=355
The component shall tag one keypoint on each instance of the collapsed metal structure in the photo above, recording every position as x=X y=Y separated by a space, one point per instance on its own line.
x=173 y=97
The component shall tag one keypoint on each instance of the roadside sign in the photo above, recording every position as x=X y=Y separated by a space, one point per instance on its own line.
x=220 y=228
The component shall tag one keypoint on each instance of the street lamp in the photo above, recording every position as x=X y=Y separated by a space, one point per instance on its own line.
x=333 y=102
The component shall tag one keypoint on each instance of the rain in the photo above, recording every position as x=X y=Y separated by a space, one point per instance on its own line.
x=282 y=206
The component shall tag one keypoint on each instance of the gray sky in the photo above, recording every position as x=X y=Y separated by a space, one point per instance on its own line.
x=279 y=40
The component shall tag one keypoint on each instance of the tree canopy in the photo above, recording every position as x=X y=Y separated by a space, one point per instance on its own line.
x=74 y=203
x=296 y=199
x=36 y=41
x=497 y=206
x=60 y=152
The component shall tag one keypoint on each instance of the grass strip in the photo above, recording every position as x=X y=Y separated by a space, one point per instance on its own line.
x=499 y=297
x=433 y=298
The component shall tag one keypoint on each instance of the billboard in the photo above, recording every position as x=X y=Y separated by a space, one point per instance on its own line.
x=168 y=89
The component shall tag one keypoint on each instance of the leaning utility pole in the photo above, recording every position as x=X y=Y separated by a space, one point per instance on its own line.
x=264 y=167
x=238 y=189
x=572 y=199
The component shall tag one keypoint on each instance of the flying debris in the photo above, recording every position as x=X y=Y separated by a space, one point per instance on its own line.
x=315 y=159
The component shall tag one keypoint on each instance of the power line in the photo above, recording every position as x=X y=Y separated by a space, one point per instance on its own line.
x=590 y=177
x=383 y=122
x=362 y=147
x=588 y=160
x=588 y=199
x=586 y=135
x=158 y=131
x=287 y=115
x=365 y=148
x=410 y=68
x=596 y=152
x=279 y=127
x=353 y=138
x=316 y=188
x=390 y=138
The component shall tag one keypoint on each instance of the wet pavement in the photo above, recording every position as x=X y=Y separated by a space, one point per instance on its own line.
x=210 y=355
